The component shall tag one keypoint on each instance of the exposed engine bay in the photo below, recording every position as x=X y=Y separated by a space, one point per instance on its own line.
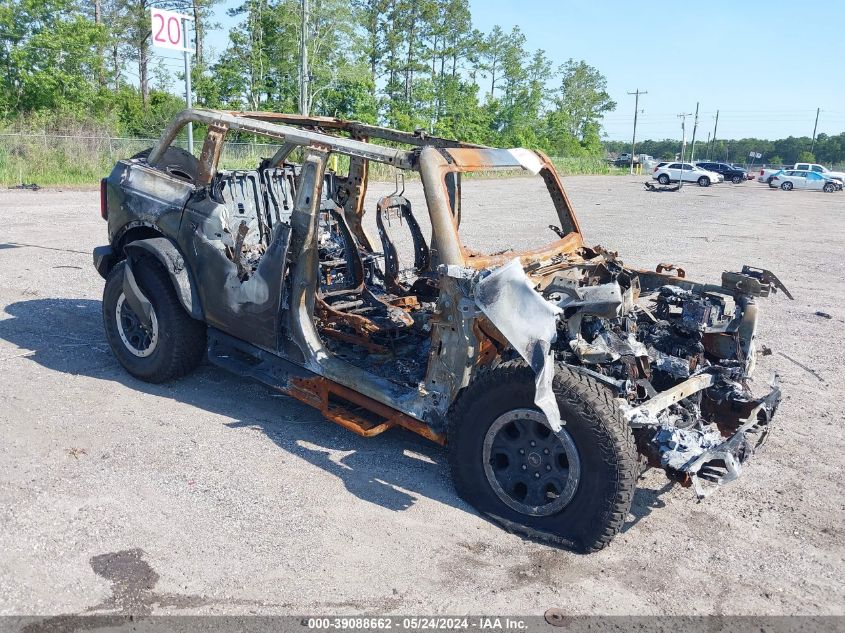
x=677 y=354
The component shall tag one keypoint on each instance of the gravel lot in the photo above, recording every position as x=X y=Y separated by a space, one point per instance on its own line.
x=214 y=495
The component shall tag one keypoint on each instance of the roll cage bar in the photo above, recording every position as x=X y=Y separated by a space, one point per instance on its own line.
x=289 y=130
x=431 y=156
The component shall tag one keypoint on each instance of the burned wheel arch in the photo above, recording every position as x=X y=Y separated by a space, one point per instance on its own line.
x=167 y=253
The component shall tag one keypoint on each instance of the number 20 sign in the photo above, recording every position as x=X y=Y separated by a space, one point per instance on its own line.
x=167 y=29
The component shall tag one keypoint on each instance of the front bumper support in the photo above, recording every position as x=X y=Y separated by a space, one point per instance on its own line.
x=698 y=456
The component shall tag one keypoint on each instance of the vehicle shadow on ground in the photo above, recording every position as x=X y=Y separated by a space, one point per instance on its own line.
x=646 y=501
x=392 y=470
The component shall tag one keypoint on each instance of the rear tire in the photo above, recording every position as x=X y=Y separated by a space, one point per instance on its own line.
x=594 y=507
x=704 y=181
x=176 y=343
x=663 y=179
x=787 y=186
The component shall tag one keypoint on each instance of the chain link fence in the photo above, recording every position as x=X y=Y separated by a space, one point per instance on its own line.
x=50 y=159
x=82 y=160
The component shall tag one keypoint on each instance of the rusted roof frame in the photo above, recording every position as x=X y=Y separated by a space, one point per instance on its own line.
x=475 y=158
x=357 y=129
x=398 y=158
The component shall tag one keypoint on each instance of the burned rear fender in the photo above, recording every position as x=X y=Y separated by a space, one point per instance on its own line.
x=104 y=260
x=167 y=253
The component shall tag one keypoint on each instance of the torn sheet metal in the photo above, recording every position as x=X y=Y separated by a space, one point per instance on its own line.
x=605 y=300
x=595 y=353
x=529 y=323
x=607 y=347
x=528 y=159
x=678 y=447
x=672 y=365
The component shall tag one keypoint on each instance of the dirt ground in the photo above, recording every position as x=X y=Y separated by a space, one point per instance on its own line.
x=214 y=495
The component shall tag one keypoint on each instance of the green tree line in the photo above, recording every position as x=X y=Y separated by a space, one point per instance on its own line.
x=828 y=149
x=410 y=64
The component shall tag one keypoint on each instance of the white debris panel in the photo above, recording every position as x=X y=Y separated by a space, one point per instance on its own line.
x=529 y=323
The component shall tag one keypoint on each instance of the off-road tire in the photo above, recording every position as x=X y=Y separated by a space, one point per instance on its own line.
x=181 y=341
x=704 y=181
x=605 y=446
x=663 y=179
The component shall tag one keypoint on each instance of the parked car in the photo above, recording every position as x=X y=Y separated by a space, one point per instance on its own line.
x=821 y=169
x=552 y=374
x=766 y=174
x=734 y=174
x=624 y=159
x=686 y=172
x=803 y=179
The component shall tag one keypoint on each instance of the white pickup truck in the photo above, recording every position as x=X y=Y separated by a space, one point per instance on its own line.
x=766 y=174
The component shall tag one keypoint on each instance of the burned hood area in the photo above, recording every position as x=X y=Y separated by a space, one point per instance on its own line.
x=679 y=355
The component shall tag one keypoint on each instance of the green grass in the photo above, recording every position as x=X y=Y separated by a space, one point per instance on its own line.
x=55 y=161
x=83 y=160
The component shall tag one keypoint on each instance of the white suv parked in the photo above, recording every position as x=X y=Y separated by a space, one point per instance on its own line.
x=675 y=172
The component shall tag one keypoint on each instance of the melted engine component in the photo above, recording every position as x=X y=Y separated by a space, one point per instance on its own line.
x=640 y=346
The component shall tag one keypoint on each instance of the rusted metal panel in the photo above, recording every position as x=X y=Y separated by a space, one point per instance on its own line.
x=318 y=392
x=211 y=149
x=471 y=159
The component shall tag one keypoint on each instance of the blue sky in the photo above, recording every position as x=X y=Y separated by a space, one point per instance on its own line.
x=707 y=51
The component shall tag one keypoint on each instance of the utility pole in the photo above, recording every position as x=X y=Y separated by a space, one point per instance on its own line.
x=683 y=117
x=708 y=147
x=694 y=129
x=715 y=126
x=815 y=127
x=187 y=56
x=303 y=62
x=636 y=111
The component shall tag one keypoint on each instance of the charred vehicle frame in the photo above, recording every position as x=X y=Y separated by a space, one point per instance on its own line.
x=553 y=375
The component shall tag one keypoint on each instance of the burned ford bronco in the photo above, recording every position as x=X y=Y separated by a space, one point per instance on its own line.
x=553 y=374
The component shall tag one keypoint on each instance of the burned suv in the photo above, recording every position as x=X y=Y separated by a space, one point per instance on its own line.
x=553 y=374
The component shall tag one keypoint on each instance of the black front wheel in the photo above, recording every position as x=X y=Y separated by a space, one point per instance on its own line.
x=573 y=487
x=829 y=187
x=171 y=345
x=736 y=180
